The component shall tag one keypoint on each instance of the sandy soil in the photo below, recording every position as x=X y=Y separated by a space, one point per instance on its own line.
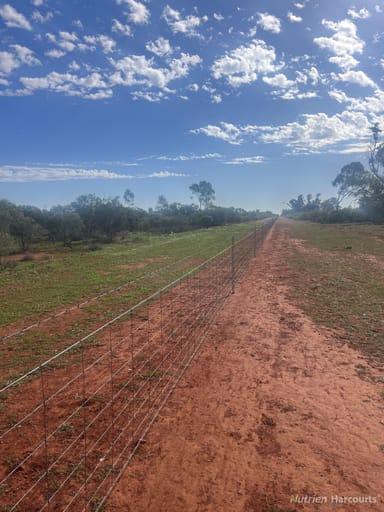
x=273 y=407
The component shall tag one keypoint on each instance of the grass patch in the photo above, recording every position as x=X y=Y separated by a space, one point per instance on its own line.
x=37 y=287
x=337 y=285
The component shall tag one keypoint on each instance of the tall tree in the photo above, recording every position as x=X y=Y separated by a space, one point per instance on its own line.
x=376 y=154
x=366 y=185
x=204 y=192
x=129 y=197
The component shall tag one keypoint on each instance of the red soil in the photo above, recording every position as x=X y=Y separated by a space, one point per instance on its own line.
x=273 y=407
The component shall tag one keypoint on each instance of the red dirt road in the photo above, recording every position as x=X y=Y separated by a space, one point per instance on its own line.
x=272 y=407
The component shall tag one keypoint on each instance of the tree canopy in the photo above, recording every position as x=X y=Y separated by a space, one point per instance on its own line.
x=204 y=193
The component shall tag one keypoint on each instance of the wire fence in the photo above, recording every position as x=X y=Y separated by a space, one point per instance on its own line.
x=70 y=426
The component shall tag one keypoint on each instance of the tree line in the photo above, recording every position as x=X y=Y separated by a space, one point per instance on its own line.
x=95 y=219
x=365 y=186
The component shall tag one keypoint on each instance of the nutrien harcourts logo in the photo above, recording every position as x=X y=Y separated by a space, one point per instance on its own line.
x=333 y=500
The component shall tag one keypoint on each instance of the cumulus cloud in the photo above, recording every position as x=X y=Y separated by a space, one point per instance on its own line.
x=92 y=86
x=19 y=55
x=117 y=26
x=160 y=47
x=8 y=62
x=293 y=18
x=269 y=22
x=279 y=80
x=313 y=133
x=39 y=18
x=138 y=70
x=218 y=16
x=361 y=14
x=187 y=26
x=13 y=18
x=343 y=44
x=139 y=13
x=227 y=132
x=356 y=77
x=244 y=64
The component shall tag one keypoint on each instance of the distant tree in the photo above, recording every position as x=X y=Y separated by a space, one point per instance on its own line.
x=129 y=197
x=376 y=154
x=110 y=217
x=65 y=226
x=86 y=206
x=24 y=230
x=162 y=203
x=204 y=193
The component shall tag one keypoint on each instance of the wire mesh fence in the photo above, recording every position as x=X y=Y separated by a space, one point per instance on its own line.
x=70 y=426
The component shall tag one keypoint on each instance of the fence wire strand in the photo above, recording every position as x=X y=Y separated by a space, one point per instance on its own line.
x=70 y=427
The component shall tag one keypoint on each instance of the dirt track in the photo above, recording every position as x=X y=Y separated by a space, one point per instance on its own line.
x=272 y=407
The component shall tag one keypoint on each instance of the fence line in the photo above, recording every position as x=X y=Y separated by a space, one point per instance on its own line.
x=71 y=426
x=105 y=293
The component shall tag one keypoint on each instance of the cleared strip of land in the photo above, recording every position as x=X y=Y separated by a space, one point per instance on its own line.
x=277 y=409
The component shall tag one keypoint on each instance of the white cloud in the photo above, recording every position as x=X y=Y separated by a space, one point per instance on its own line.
x=193 y=87
x=361 y=14
x=218 y=16
x=343 y=44
x=227 y=132
x=356 y=77
x=39 y=18
x=185 y=158
x=10 y=173
x=138 y=70
x=378 y=8
x=293 y=18
x=160 y=47
x=216 y=98
x=139 y=13
x=13 y=18
x=371 y=105
x=55 y=54
x=8 y=62
x=150 y=96
x=242 y=65
x=25 y=55
x=316 y=132
x=78 y=24
x=164 y=174
x=279 y=80
x=68 y=36
x=269 y=22
x=186 y=26
x=92 y=86
x=20 y=55
x=313 y=133
x=107 y=44
x=299 y=5
x=245 y=160
x=314 y=75
x=37 y=3
x=117 y=26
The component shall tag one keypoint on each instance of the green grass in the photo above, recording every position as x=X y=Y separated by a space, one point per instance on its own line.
x=340 y=283
x=36 y=289
x=40 y=286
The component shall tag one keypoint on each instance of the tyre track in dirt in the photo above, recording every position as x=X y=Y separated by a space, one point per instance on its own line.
x=273 y=407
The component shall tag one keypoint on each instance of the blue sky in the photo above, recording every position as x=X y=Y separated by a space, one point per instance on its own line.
x=263 y=99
